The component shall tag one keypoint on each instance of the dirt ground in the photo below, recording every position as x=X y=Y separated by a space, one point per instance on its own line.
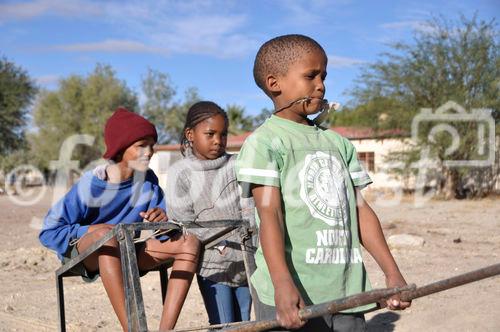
x=460 y=236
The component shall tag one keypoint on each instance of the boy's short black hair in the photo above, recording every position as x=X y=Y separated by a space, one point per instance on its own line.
x=276 y=55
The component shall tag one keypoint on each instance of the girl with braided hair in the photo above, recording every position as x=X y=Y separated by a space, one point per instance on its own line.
x=202 y=187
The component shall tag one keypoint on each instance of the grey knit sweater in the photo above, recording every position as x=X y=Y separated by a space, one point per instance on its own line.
x=207 y=190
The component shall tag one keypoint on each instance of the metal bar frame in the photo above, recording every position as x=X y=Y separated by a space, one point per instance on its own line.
x=118 y=232
x=124 y=234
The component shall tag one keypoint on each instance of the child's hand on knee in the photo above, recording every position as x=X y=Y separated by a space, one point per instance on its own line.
x=156 y=214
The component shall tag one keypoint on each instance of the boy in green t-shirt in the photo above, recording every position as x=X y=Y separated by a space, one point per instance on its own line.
x=306 y=184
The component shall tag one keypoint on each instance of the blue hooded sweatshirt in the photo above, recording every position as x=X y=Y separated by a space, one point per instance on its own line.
x=94 y=201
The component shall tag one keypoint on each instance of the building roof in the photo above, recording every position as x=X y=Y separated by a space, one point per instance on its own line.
x=237 y=141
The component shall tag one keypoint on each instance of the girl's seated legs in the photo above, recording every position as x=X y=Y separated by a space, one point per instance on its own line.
x=107 y=261
x=185 y=251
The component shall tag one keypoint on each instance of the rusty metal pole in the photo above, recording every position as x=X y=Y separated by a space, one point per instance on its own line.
x=248 y=253
x=328 y=307
x=136 y=314
x=452 y=282
x=354 y=301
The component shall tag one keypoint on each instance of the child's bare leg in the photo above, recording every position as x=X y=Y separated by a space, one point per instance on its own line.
x=107 y=261
x=184 y=250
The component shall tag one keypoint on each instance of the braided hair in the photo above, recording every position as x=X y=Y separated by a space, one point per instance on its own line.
x=197 y=113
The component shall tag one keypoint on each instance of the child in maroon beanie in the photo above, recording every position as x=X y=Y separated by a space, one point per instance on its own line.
x=122 y=191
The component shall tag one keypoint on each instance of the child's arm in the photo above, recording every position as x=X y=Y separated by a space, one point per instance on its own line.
x=372 y=238
x=156 y=209
x=272 y=239
x=61 y=225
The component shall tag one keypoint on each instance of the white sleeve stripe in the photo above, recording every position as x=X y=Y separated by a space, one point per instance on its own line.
x=358 y=175
x=268 y=173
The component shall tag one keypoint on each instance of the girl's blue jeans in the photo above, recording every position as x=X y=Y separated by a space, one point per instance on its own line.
x=225 y=304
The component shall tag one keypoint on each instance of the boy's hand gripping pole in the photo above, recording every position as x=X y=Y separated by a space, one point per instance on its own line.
x=407 y=293
x=332 y=307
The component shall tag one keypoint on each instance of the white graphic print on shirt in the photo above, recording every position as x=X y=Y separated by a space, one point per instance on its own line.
x=324 y=192
x=322 y=188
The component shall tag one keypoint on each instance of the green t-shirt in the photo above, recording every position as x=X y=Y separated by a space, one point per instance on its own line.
x=316 y=171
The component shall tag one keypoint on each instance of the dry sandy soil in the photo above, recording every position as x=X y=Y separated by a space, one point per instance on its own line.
x=460 y=236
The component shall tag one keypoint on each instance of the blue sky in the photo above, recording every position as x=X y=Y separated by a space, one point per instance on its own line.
x=208 y=44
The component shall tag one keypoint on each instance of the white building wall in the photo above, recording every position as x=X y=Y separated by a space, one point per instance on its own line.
x=381 y=149
x=160 y=162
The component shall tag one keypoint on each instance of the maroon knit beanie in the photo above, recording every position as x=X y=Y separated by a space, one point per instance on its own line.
x=123 y=129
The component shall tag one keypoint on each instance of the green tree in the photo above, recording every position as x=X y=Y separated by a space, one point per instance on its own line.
x=17 y=91
x=176 y=116
x=378 y=113
x=239 y=123
x=80 y=105
x=449 y=60
x=159 y=94
x=261 y=117
x=169 y=115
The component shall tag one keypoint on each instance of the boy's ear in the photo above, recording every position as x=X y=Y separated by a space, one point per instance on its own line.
x=272 y=84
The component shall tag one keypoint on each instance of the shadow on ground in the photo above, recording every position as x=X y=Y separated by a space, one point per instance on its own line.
x=383 y=322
